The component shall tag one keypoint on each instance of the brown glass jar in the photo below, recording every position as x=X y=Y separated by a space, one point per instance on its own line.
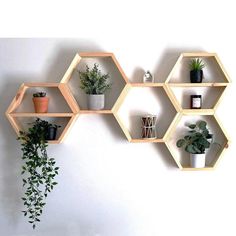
x=196 y=101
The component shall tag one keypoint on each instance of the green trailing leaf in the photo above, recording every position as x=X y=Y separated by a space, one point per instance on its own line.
x=38 y=170
x=190 y=148
x=192 y=126
x=196 y=140
x=202 y=125
x=187 y=137
x=93 y=81
x=180 y=143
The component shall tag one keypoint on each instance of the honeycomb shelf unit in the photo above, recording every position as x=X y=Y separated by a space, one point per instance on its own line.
x=14 y=116
x=214 y=154
x=158 y=88
x=118 y=77
x=216 y=81
x=215 y=84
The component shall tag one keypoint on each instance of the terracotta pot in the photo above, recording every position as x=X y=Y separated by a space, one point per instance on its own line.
x=41 y=104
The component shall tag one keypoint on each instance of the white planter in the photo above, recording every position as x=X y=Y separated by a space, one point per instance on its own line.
x=197 y=160
x=96 y=101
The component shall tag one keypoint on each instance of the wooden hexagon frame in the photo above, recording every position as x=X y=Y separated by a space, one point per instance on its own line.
x=75 y=110
x=219 y=154
x=192 y=112
x=17 y=100
x=194 y=85
x=121 y=100
x=75 y=62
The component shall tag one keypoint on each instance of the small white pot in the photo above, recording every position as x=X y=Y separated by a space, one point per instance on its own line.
x=96 y=101
x=197 y=160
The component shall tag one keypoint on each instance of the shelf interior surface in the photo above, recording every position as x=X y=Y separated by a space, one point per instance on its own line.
x=210 y=95
x=146 y=101
x=106 y=65
x=212 y=73
x=24 y=123
x=57 y=103
x=212 y=154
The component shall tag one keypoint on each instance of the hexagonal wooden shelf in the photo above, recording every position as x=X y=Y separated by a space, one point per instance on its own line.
x=18 y=118
x=213 y=155
x=216 y=81
x=120 y=80
x=160 y=90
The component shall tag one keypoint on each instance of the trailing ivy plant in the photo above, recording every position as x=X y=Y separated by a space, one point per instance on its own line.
x=93 y=81
x=197 y=140
x=38 y=170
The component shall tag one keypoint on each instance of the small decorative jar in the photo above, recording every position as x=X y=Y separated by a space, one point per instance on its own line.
x=148 y=77
x=149 y=127
x=196 y=101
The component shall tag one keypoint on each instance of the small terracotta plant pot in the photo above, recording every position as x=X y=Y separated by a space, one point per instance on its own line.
x=41 y=104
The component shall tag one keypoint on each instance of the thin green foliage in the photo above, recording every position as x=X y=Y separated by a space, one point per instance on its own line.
x=93 y=81
x=38 y=170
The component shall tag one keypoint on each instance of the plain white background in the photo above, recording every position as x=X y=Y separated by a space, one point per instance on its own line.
x=108 y=187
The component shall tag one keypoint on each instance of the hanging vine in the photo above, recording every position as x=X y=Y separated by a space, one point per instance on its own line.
x=38 y=170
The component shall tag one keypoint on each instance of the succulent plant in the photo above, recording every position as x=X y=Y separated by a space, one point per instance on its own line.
x=196 y=64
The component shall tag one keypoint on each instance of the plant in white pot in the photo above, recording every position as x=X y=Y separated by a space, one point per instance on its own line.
x=197 y=140
x=94 y=83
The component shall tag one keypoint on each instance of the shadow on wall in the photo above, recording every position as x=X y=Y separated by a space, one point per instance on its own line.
x=164 y=64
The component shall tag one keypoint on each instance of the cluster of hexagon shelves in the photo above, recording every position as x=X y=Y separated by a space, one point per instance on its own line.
x=173 y=90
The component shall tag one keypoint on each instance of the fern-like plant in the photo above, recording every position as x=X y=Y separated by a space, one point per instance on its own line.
x=93 y=81
x=38 y=170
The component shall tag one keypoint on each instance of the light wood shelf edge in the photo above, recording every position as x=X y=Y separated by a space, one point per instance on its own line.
x=96 y=112
x=67 y=128
x=29 y=114
x=209 y=84
x=147 y=84
x=71 y=68
x=198 y=169
x=192 y=112
x=140 y=140
x=70 y=99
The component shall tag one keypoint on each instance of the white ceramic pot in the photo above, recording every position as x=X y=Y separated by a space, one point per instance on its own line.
x=197 y=160
x=96 y=101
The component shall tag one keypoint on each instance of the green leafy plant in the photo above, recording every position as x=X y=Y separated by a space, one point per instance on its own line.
x=196 y=64
x=197 y=140
x=38 y=170
x=39 y=94
x=93 y=81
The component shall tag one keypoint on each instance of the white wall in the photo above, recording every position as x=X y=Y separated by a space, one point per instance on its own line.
x=108 y=187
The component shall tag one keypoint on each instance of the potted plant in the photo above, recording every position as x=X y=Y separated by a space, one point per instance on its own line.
x=196 y=73
x=52 y=131
x=40 y=102
x=38 y=170
x=94 y=83
x=197 y=140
